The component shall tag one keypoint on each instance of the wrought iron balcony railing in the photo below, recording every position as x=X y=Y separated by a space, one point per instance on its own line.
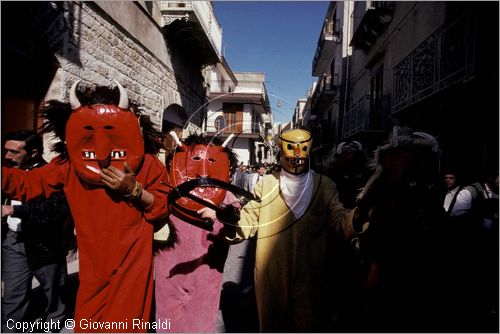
x=443 y=59
x=366 y=115
x=324 y=92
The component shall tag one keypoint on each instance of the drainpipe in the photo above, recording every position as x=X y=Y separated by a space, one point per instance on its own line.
x=347 y=88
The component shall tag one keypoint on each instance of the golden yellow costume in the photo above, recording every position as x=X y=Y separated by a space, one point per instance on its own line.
x=291 y=256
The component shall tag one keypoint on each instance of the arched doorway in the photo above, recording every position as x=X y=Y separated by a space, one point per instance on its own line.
x=174 y=116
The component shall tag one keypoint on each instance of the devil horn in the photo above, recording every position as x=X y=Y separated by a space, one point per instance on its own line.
x=340 y=147
x=227 y=140
x=176 y=139
x=429 y=138
x=358 y=145
x=73 y=100
x=123 y=96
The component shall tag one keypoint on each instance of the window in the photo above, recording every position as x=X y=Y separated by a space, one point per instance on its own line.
x=376 y=91
x=233 y=114
x=222 y=83
x=331 y=82
x=220 y=123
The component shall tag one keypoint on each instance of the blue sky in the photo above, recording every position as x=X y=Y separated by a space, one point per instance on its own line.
x=278 y=38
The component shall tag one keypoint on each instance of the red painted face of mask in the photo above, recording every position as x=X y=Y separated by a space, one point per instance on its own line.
x=197 y=161
x=99 y=136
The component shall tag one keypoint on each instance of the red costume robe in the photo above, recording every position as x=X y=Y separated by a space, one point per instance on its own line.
x=114 y=239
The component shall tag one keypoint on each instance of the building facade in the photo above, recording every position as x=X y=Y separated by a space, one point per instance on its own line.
x=159 y=51
x=239 y=105
x=298 y=113
x=432 y=66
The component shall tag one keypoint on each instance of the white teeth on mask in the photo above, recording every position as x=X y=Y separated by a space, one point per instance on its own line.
x=113 y=154
x=117 y=154
x=89 y=155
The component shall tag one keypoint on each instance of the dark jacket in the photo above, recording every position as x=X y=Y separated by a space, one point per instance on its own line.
x=46 y=229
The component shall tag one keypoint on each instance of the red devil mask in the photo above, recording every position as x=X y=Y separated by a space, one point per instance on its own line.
x=102 y=135
x=199 y=161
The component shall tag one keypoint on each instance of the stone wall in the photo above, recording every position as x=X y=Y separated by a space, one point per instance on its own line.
x=90 y=45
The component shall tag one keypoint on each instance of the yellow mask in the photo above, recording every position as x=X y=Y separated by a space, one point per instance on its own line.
x=295 y=146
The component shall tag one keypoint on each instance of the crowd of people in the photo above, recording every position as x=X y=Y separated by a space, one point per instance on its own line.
x=270 y=247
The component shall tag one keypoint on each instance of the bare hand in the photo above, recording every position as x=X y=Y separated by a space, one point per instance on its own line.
x=123 y=182
x=207 y=213
x=7 y=210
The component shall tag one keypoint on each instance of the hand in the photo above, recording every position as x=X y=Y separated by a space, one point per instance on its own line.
x=123 y=182
x=207 y=213
x=229 y=215
x=360 y=218
x=7 y=210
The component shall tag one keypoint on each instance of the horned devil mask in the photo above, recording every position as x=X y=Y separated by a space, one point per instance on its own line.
x=295 y=146
x=199 y=161
x=102 y=135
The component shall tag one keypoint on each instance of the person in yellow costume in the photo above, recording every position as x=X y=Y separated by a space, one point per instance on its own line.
x=297 y=211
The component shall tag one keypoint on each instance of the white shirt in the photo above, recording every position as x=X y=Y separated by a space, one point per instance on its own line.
x=449 y=197
x=13 y=222
x=463 y=204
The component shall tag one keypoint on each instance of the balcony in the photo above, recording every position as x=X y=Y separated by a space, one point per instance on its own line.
x=242 y=129
x=366 y=118
x=324 y=93
x=266 y=120
x=372 y=25
x=324 y=51
x=194 y=26
x=442 y=60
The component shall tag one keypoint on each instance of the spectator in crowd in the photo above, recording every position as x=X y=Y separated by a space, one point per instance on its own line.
x=260 y=171
x=473 y=250
x=484 y=252
x=247 y=176
x=239 y=175
x=484 y=199
x=457 y=200
x=34 y=244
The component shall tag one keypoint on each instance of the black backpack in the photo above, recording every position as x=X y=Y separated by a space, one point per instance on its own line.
x=484 y=208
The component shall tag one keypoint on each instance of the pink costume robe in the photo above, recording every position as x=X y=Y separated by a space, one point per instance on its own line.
x=188 y=277
x=114 y=240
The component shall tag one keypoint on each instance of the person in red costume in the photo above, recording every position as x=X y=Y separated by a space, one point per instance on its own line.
x=117 y=190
